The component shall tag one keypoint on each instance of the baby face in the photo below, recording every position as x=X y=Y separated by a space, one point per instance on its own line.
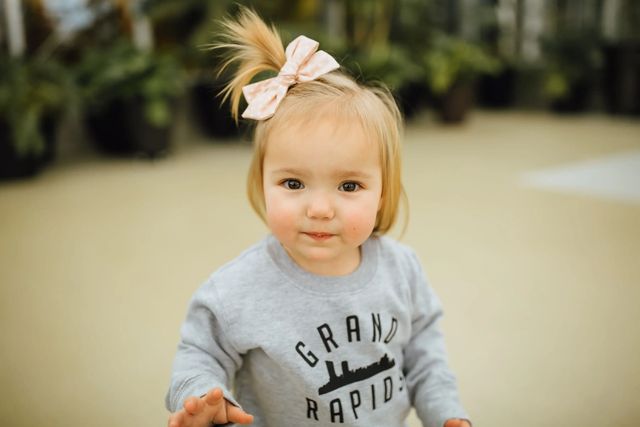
x=322 y=188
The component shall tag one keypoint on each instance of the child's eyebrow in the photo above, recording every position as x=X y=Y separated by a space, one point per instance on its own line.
x=289 y=171
x=352 y=174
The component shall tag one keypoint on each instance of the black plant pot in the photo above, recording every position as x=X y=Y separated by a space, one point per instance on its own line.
x=577 y=99
x=454 y=105
x=412 y=97
x=214 y=119
x=13 y=166
x=497 y=91
x=122 y=129
x=622 y=78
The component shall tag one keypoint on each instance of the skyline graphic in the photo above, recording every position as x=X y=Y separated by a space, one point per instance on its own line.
x=349 y=376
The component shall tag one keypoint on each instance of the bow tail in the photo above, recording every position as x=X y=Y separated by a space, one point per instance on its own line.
x=263 y=99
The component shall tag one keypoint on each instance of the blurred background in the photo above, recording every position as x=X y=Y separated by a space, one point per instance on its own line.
x=122 y=188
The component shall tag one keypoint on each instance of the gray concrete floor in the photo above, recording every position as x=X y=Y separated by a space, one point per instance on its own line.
x=541 y=285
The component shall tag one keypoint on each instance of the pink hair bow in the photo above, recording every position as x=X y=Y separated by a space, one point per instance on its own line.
x=303 y=65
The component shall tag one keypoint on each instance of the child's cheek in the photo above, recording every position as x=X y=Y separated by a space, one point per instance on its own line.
x=359 y=225
x=281 y=215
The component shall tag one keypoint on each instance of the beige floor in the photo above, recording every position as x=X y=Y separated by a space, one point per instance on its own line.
x=98 y=258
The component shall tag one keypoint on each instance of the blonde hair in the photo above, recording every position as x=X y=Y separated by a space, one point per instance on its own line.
x=256 y=48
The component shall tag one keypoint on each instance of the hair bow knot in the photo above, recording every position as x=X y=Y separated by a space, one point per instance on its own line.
x=304 y=63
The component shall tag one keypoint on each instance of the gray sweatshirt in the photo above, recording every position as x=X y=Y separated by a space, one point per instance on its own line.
x=306 y=350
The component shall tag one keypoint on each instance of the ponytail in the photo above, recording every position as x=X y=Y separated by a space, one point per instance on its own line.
x=253 y=46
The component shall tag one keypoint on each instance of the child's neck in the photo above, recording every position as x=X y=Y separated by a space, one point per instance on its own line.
x=341 y=266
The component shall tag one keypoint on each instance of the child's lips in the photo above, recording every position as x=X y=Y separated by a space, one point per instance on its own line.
x=320 y=236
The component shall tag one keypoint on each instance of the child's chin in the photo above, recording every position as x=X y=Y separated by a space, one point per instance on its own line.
x=320 y=254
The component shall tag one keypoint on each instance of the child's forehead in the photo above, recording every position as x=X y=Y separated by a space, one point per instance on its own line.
x=321 y=137
x=324 y=127
x=321 y=145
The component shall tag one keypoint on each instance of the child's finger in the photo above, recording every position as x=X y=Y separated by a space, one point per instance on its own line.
x=193 y=405
x=214 y=397
x=237 y=415
x=176 y=420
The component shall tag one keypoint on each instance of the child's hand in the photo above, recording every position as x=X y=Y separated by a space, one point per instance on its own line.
x=212 y=407
x=457 y=422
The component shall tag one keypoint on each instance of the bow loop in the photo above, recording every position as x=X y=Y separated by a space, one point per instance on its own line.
x=303 y=64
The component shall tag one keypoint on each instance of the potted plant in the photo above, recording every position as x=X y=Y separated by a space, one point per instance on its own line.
x=34 y=94
x=129 y=98
x=572 y=65
x=498 y=90
x=451 y=67
x=621 y=57
x=391 y=64
x=187 y=27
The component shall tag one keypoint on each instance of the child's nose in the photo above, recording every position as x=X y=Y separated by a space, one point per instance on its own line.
x=320 y=206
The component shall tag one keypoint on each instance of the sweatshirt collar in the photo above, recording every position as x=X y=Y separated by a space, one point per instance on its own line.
x=315 y=283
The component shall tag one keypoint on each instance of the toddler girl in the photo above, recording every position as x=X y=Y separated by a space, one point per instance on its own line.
x=325 y=321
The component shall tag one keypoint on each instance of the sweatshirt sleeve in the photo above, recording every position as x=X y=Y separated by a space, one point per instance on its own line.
x=205 y=357
x=431 y=384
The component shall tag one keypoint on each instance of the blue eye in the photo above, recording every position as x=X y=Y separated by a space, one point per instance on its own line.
x=349 y=186
x=292 y=184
